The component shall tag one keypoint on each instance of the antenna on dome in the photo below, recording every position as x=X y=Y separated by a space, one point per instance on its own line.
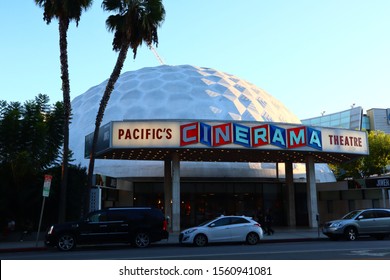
x=156 y=55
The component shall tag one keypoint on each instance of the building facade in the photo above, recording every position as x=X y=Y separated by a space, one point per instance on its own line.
x=379 y=119
x=335 y=199
x=350 y=119
x=283 y=181
x=354 y=118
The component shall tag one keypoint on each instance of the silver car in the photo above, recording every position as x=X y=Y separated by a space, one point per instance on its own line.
x=223 y=229
x=372 y=222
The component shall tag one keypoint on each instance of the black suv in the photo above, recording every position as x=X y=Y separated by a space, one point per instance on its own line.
x=136 y=225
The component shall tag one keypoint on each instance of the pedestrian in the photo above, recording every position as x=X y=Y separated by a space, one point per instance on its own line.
x=268 y=223
x=11 y=225
x=260 y=216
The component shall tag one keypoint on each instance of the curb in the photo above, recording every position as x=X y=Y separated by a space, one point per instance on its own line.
x=22 y=249
x=303 y=239
x=286 y=240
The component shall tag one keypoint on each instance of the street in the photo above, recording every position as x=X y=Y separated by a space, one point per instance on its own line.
x=364 y=249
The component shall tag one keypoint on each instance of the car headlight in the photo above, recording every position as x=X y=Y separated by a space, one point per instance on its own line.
x=189 y=231
x=336 y=225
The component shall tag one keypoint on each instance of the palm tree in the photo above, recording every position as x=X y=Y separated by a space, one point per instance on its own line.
x=64 y=11
x=135 y=22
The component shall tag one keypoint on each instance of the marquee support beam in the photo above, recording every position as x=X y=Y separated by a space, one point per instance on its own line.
x=175 y=192
x=291 y=220
x=312 y=205
x=168 y=191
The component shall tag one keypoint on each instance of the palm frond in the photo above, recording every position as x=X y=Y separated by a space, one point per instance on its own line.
x=136 y=22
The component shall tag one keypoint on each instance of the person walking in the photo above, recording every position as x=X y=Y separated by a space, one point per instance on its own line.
x=268 y=223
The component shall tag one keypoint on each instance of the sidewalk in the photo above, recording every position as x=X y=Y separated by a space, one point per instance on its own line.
x=286 y=234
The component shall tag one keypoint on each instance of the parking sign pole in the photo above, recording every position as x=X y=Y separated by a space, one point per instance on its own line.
x=40 y=221
x=45 y=193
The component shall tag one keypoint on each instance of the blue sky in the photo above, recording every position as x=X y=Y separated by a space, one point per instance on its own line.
x=312 y=55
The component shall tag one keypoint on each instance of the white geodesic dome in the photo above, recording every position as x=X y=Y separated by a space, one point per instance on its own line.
x=181 y=92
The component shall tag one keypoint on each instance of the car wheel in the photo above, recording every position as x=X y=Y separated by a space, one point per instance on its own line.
x=252 y=238
x=200 y=240
x=141 y=240
x=351 y=233
x=66 y=242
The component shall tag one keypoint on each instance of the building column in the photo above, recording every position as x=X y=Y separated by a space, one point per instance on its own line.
x=129 y=188
x=168 y=191
x=175 y=192
x=291 y=219
x=312 y=206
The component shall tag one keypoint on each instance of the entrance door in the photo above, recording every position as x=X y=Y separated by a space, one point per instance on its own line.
x=301 y=211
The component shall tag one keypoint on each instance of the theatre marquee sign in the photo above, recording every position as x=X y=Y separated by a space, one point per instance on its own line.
x=233 y=135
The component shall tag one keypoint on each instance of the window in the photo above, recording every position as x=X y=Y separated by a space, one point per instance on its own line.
x=329 y=206
x=116 y=216
x=98 y=217
x=382 y=214
x=368 y=214
x=221 y=222
x=237 y=220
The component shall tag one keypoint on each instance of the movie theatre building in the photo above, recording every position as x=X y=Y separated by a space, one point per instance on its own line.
x=197 y=143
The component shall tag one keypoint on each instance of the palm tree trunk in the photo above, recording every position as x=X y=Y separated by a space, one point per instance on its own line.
x=99 y=118
x=63 y=29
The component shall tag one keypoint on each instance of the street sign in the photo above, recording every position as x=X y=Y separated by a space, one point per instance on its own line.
x=45 y=193
x=46 y=185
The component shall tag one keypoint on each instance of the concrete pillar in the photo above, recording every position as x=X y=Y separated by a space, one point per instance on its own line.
x=128 y=188
x=291 y=219
x=175 y=192
x=383 y=198
x=312 y=205
x=168 y=191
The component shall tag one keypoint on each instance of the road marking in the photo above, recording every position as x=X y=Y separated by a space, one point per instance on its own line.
x=238 y=254
x=368 y=253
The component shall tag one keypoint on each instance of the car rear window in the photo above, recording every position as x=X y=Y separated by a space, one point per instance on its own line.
x=116 y=216
x=238 y=220
x=383 y=214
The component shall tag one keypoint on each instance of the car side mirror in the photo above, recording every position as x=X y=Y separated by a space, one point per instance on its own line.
x=360 y=217
x=212 y=225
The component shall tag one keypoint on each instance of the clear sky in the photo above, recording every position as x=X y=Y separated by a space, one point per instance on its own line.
x=312 y=55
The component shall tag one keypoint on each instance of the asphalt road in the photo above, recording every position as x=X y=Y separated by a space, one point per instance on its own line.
x=314 y=250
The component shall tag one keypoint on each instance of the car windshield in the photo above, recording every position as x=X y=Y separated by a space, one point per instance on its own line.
x=351 y=215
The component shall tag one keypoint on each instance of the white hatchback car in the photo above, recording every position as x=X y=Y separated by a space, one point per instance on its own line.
x=223 y=229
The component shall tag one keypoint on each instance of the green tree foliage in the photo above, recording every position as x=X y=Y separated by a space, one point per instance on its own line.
x=74 y=199
x=30 y=134
x=30 y=139
x=351 y=169
x=374 y=163
x=379 y=158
